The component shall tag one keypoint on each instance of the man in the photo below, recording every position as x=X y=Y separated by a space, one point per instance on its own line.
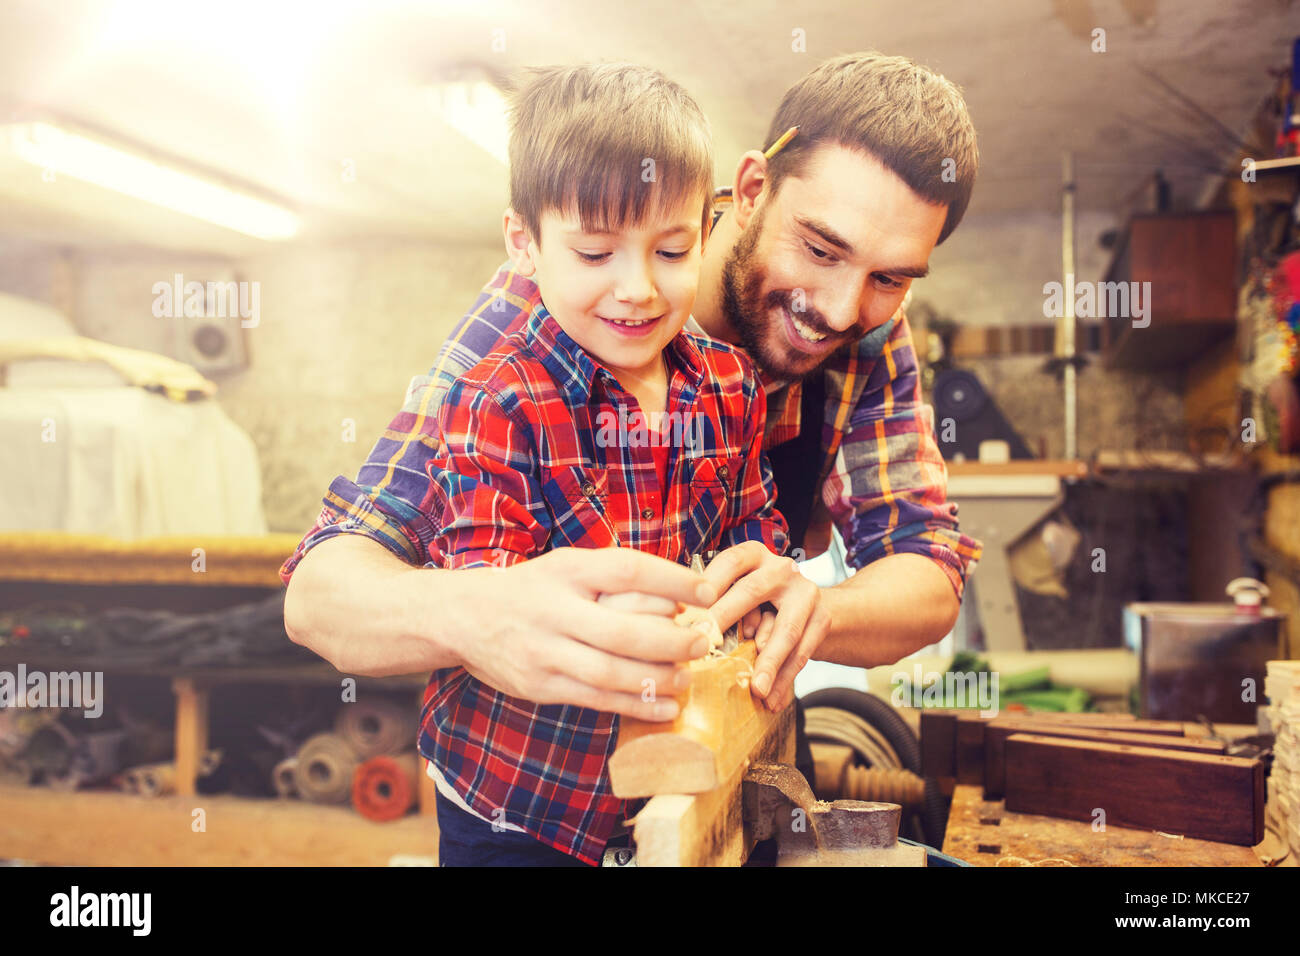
x=807 y=271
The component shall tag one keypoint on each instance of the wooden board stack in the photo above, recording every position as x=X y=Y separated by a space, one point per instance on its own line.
x=1282 y=688
x=1145 y=774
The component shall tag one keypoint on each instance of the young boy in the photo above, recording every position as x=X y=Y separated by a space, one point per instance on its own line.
x=599 y=423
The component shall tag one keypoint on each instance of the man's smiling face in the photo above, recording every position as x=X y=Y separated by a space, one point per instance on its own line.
x=826 y=260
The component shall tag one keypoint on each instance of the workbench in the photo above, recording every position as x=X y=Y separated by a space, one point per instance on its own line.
x=984 y=833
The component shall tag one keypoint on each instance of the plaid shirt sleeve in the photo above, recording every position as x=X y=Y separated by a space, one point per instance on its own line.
x=887 y=487
x=388 y=500
x=754 y=516
x=488 y=509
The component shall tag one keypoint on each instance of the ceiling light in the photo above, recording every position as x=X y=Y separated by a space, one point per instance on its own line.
x=71 y=154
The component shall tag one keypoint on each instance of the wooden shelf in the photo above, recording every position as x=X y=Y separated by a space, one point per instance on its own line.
x=1172 y=462
x=229 y=561
x=1059 y=469
x=316 y=672
x=105 y=828
x=1189 y=259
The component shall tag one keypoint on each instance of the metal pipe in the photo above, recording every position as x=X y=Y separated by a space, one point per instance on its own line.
x=1065 y=325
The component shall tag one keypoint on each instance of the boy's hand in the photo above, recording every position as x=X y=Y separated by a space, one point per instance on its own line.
x=748 y=576
x=545 y=634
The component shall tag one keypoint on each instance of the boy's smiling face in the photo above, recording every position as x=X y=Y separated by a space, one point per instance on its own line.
x=623 y=294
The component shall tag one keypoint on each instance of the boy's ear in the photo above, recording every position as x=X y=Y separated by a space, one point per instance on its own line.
x=749 y=187
x=519 y=243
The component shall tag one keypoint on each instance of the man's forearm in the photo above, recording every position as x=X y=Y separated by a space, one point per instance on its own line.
x=367 y=612
x=889 y=609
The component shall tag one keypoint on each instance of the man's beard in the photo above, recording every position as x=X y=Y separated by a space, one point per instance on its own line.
x=749 y=312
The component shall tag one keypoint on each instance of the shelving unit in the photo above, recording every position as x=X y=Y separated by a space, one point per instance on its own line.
x=98 y=828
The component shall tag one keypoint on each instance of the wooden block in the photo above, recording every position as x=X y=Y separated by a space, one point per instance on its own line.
x=1203 y=796
x=970 y=747
x=997 y=732
x=952 y=739
x=1124 y=722
x=719 y=724
x=708 y=829
x=938 y=743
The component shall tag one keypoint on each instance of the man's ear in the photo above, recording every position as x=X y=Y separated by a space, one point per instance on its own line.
x=750 y=187
x=519 y=243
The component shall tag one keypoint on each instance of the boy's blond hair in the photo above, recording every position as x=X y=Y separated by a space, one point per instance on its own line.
x=614 y=141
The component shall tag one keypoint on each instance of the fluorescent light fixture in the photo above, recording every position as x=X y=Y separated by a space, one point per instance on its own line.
x=72 y=154
x=477 y=111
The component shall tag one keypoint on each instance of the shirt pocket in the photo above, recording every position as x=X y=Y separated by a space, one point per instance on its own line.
x=576 y=500
x=713 y=482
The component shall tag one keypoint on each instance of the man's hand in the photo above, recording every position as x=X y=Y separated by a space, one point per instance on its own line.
x=749 y=576
x=545 y=633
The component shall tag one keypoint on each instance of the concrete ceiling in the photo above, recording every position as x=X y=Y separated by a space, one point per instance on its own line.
x=288 y=97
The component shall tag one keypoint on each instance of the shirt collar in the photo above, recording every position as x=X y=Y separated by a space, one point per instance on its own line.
x=574 y=370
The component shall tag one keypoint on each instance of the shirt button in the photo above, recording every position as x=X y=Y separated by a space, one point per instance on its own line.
x=648 y=513
x=588 y=488
x=724 y=472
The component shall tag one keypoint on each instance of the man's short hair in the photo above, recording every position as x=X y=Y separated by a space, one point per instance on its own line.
x=614 y=140
x=908 y=117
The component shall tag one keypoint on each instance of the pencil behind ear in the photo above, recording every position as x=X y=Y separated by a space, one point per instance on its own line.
x=520 y=244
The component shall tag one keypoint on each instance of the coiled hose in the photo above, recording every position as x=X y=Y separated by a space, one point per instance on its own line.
x=880 y=714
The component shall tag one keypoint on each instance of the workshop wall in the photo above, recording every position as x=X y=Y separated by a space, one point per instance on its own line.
x=1117 y=410
x=371 y=314
x=991 y=273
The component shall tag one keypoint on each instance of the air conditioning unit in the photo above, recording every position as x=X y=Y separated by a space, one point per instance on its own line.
x=213 y=339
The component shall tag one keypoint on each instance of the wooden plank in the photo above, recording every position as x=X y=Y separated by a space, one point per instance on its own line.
x=719 y=725
x=1122 y=722
x=117 y=829
x=984 y=833
x=708 y=829
x=952 y=739
x=970 y=746
x=997 y=732
x=970 y=750
x=938 y=743
x=1206 y=796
